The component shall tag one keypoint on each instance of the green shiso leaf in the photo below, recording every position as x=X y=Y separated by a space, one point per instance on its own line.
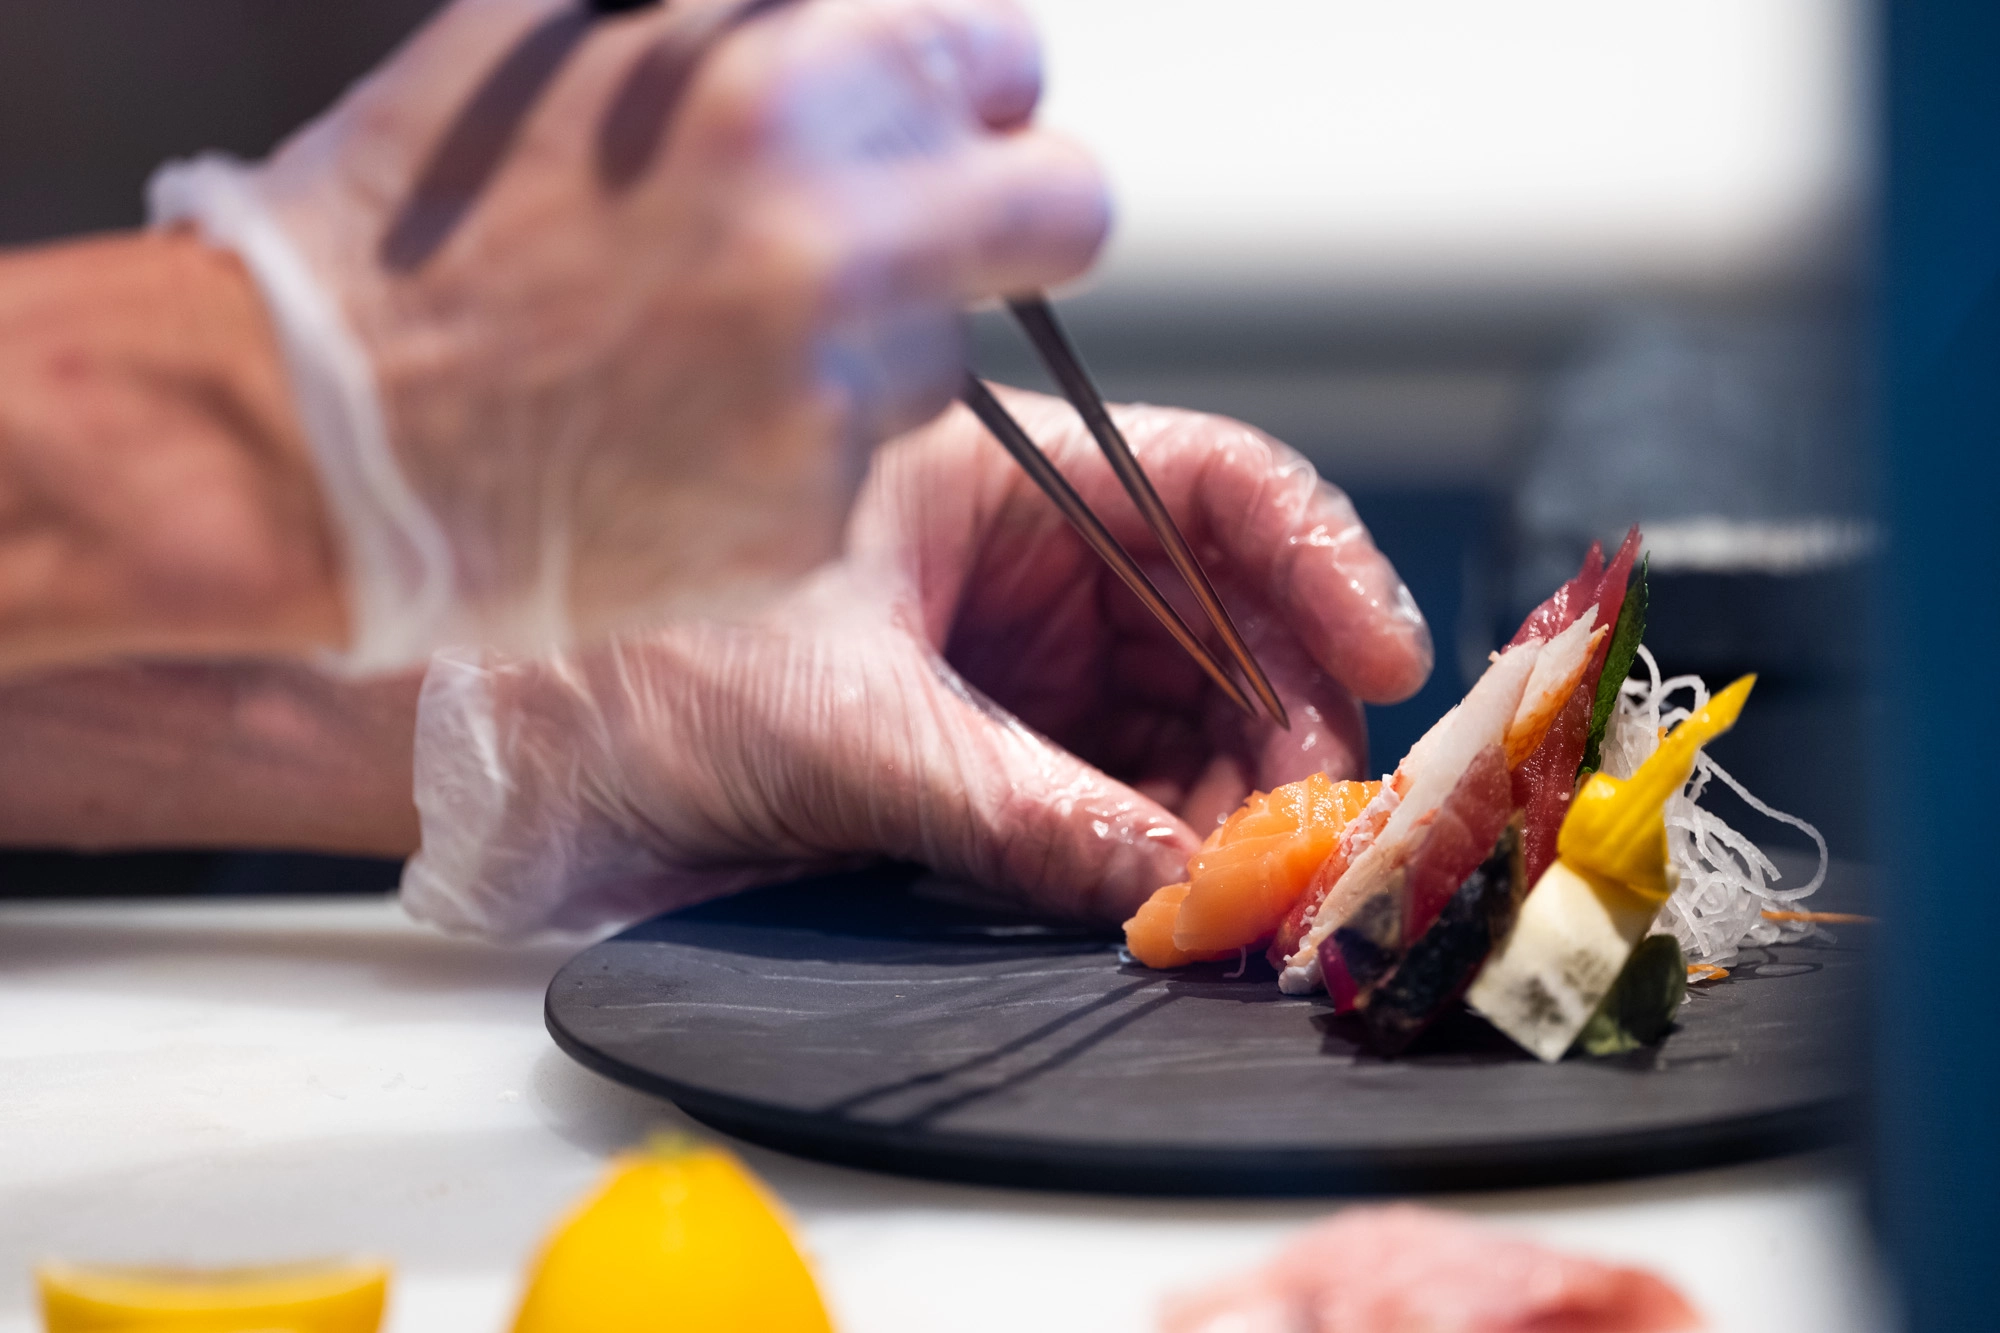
x=1642 y=1003
x=1617 y=665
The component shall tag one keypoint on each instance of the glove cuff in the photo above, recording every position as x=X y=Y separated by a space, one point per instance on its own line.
x=397 y=558
x=513 y=844
x=461 y=786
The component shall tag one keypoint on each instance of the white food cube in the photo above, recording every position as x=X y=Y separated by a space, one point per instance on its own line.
x=1569 y=943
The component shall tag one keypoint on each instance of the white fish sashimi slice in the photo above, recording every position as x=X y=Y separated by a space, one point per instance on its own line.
x=1369 y=875
x=1557 y=671
x=1438 y=760
x=1432 y=768
x=1420 y=757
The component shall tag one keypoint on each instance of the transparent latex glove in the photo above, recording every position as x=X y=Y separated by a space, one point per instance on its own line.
x=968 y=687
x=624 y=321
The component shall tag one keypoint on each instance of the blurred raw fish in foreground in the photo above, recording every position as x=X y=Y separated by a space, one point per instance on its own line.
x=1383 y=1269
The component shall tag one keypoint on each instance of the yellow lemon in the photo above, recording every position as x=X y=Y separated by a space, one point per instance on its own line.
x=681 y=1238
x=292 y=1298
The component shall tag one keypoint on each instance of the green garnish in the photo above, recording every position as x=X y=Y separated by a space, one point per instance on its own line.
x=1642 y=1003
x=1617 y=665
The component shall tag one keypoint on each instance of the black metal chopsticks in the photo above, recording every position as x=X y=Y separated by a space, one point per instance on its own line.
x=1038 y=321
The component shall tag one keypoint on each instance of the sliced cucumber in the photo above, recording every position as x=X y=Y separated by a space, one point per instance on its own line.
x=1643 y=1002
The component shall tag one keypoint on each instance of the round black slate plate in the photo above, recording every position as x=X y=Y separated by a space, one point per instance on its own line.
x=859 y=1019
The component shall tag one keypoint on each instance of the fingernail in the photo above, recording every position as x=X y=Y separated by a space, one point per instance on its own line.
x=1406 y=608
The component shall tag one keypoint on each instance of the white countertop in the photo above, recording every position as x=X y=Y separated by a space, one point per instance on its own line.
x=244 y=1080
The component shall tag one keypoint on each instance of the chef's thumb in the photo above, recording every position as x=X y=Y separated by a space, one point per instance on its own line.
x=1016 y=813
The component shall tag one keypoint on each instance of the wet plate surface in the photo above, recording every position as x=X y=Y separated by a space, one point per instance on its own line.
x=854 y=1019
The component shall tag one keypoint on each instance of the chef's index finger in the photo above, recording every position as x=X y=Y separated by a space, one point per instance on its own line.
x=1268 y=523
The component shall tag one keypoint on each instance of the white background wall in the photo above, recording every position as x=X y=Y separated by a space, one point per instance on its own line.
x=1444 y=142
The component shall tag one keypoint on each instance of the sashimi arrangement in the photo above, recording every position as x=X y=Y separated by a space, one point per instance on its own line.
x=1539 y=853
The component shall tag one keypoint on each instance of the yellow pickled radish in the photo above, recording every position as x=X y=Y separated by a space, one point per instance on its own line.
x=1618 y=829
x=679 y=1237
x=334 y=1297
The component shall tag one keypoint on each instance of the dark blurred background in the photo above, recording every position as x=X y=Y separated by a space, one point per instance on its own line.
x=1514 y=276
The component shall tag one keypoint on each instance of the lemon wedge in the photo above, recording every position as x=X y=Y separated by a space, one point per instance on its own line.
x=293 y=1298
x=679 y=1237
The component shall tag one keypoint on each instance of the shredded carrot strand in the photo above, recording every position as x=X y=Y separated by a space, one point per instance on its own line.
x=1706 y=972
x=1830 y=918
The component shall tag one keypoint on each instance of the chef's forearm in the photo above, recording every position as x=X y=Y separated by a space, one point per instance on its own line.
x=260 y=755
x=156 y=495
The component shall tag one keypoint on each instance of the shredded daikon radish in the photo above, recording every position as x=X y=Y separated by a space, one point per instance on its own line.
x=1726 y=882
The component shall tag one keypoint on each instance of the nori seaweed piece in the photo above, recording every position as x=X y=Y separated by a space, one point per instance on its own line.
x=1641 y=1005
x=1372 y=940
x=1618 y=661
x=1441 y=963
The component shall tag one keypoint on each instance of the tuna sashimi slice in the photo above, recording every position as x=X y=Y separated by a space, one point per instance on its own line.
x=1611 y=592
x=1566 y=603
x=1594 y=585
x=1461 y=836
x=1435 y=969
x=1405 y=1269
x=1545 y=781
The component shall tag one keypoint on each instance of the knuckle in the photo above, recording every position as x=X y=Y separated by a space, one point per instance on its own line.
x=803 y=266
x=1000 y=46
x=770 y=281
x=894 y=374
x=853 y=33
x=739 y=102
x=930 y=389
x=1076 y=174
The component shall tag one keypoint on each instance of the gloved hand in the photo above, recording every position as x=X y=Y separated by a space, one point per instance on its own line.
x=968 y=687
x=589 y=321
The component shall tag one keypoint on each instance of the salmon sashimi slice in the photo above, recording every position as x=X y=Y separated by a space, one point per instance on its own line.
x=1354 y=840
x=1248 y=874
x=1150 y=933
x=1240 y=889
x=1402 y=1267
